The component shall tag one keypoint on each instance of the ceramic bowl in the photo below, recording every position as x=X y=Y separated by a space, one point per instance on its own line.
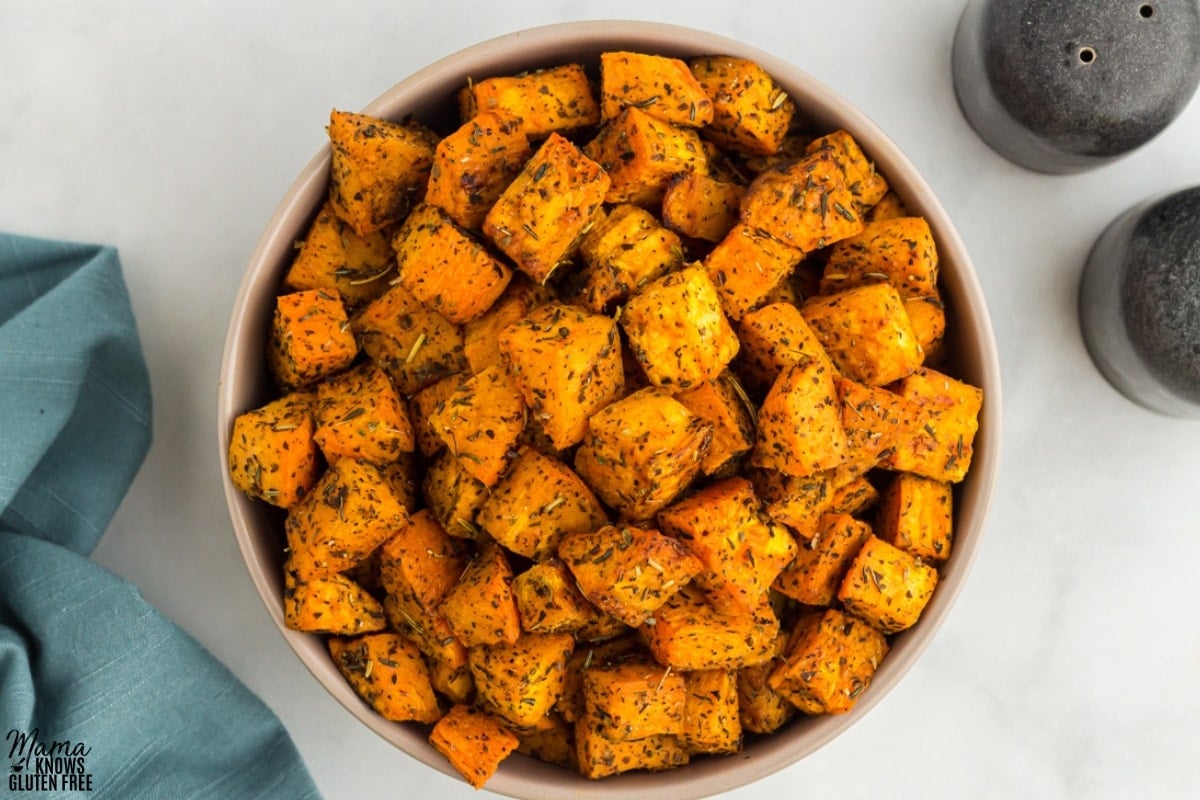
x=427 y=94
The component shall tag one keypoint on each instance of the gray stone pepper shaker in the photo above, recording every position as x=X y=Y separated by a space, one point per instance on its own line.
x=1062 y=86
x=1139 y=303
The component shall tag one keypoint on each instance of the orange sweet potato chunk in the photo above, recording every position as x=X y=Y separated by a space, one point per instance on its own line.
x=480 y=608
x=635 y=699
x=751 y=112
x=567 y=363
x=661 y=86
x=805 y=204
x=349 y=513
x=687 y=633
x=559 y=99
x=741 y=548
x=310 y=337
x=626 y=571
x=940 y=442
x=701 y=206
x=642 y=153
x=746 y=266
x=387 y=671
x=642 y=451
x=473 y=741
x=800 y=422
x=361 y=415
x=887 y=586
x=480 y=423
x=523 y=679
x=866 y=332
x=830 y=661
x=916 y=515
x=538 y=502
x=816 y=573
x=445 y=268
x=723 y=403
x=378 y=167
x=473 y=165
x=414 y=345
x=333 y=256
x=867 y=185
x=272 y=453
x=541 y=216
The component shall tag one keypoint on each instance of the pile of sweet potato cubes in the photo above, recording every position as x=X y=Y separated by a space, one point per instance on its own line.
x=612 y=425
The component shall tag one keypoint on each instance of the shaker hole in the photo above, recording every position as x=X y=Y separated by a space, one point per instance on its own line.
x=1147 y=11
x=1087 y=54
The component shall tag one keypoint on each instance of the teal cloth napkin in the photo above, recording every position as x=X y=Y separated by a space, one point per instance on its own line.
x=101 y=696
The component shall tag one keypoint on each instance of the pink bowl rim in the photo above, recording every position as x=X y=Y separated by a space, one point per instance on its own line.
x=546 y=45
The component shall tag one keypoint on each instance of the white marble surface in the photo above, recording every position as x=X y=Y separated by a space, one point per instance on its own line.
x=1069 y=667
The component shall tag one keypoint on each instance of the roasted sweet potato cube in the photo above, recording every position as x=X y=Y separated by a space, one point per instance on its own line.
x=588 y=655
x=641 y=153
x=792 y=148
x=549 y=601
x=941 y=439
x=886 y=586
x=445 y=268
x=567 y=363
x=899 y=251
x=711 y=722
x=795 y=501
x=272 y=454
x=387 y=671
x=634 y=699
x=814 y=576
x=422 y=405
x=333 y=256
x=547 y=100
x=473 y=741
x=916 y=514
x=540 y=218
x=598 y=756
x=310 y=337
x=377 y=168
x=874 y=420
x=867 y=185
x=866 y=332
x=333 y=604
x=414 y=345
x=773 y=338
x=428 y=629
x=760 y=708
x=421 y=560
x=453 y=495
x=480 y=423
x=687 y=633
x=928 y=318
x=677 y=330
x=746 y=266
x=451 y=680
x=538 y=502
x=854 y=497
x=751 y=112
x=661 y=86
x=805 y=204
x=889 y=206
x=701 y=206
x=741 y=548
x=642 y=451
x=480 y=608
x=522 y=680
x=722 y=402
x=623 y=250
x=554 y=745
x=800 y=422
x=361 y=415
x=830 y=661
x=349 y=513
x=628 y=572
x=474 y=164
x=481 y=336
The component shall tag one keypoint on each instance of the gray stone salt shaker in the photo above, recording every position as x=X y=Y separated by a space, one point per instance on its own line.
x=1139 y=303
x=1062 y=86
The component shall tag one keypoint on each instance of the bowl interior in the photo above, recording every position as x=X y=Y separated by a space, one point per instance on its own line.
x=427 y=95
